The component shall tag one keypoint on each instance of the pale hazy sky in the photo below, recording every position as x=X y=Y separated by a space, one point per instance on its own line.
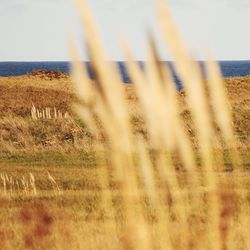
x=37 y=29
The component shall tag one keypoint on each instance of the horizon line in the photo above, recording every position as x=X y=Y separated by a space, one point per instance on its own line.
x=139 y=60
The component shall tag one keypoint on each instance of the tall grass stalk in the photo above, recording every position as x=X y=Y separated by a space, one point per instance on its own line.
x=188 y=202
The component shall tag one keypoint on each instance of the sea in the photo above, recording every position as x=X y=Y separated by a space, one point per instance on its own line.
x=228 y=68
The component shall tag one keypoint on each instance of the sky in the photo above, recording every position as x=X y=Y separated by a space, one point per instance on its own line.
x=37 y=30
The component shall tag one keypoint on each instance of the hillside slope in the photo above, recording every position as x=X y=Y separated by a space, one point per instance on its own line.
x=18 y=94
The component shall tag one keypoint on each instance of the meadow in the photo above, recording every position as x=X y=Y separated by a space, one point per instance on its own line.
x=102 y=165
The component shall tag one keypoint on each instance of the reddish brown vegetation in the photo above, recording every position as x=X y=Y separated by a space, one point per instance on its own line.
x=37 y=226
x=228 y=199
x=49 y=74
x=16 y=100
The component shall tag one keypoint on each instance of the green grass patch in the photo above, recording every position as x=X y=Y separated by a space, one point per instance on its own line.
x=78 y=158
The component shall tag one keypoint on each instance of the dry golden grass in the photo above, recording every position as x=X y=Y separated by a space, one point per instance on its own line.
x=19 y=94
x=161 y=169
x=151 y=159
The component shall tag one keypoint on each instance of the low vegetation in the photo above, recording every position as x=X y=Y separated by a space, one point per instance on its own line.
x=22 y=130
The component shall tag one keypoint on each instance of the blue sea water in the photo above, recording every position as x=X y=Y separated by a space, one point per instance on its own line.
x=228 y=68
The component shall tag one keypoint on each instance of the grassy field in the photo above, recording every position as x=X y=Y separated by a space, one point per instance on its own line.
x=68 y=207
x=21 y=134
